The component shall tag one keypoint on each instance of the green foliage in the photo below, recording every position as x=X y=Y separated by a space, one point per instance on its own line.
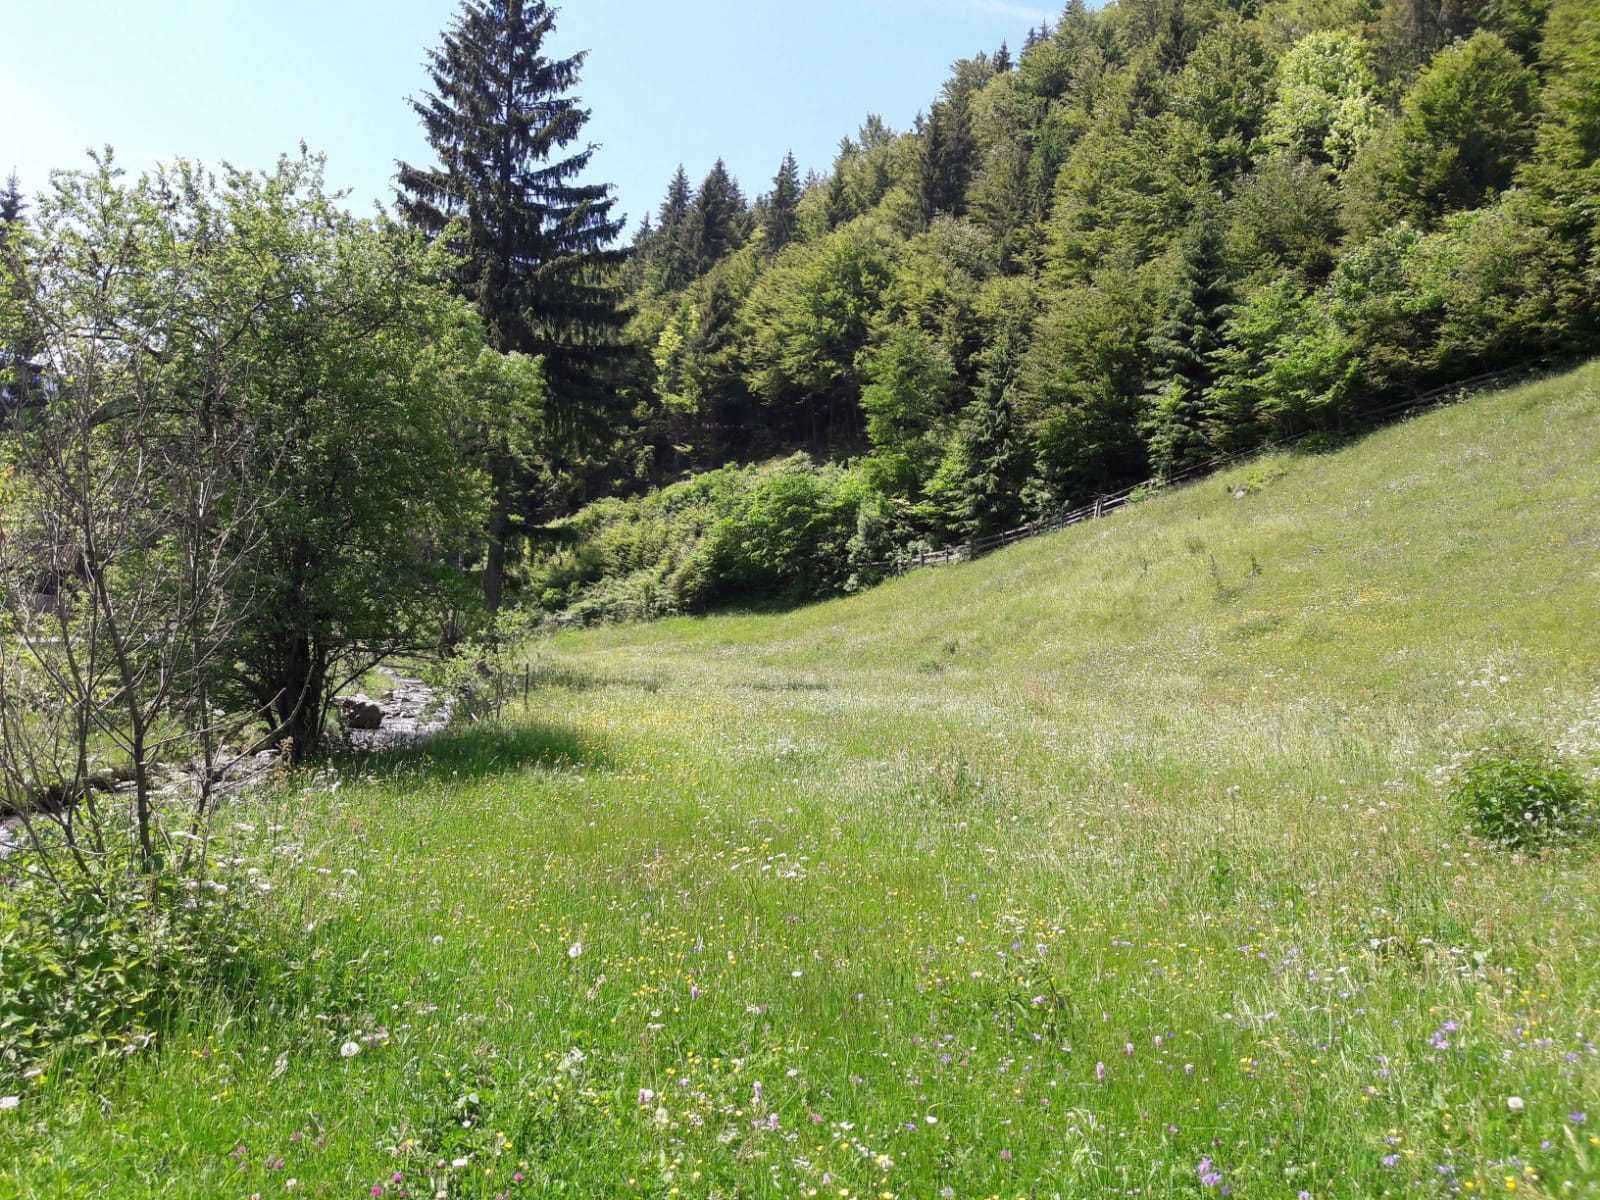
x=102 y=969
x=1284 y=216
x=785 y=531
x=911 y=383
x=1325 y=106
x=810 y=316
x=1517 y=795
x=1220 y=222
x=1463 y=127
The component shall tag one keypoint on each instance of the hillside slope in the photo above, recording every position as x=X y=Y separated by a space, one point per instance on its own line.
x=1116 y=864
x=1464 y=537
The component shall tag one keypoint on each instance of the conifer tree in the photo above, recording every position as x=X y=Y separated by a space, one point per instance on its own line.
x=674 y=252
x=782 y=215
x=1002 y=59
x=948 y=155
x=537 y=244
x=1183 y=346
x=11 y=202
x=718 y=219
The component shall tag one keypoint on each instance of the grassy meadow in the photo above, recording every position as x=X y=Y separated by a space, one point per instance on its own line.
x=1116 y=864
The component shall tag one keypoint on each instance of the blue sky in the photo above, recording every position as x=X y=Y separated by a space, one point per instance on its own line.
x=245 y=80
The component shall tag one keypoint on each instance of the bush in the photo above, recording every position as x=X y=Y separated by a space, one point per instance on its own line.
x=1519 y=796
x=95 y=968
x=789 y=530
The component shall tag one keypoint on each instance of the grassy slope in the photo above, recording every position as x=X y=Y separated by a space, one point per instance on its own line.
x=1054 y=874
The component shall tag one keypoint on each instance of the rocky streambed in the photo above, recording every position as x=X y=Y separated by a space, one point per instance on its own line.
x=403 y=716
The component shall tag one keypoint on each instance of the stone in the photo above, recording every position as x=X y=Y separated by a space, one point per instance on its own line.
x=361 y=713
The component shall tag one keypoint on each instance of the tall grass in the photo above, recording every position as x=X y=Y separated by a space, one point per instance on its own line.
x=1119 y=863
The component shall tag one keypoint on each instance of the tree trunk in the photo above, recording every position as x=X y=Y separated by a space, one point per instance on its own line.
x=494 y=568
x=299 y=707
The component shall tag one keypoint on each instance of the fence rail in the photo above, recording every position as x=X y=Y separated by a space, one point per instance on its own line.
x=1104 y=506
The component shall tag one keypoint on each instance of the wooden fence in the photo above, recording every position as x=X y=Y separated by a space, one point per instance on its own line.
x=1104 y=506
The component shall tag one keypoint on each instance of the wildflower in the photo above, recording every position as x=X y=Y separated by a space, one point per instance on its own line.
x=1210 y=1177
x=377 y=1190
x=1514 y=1103
x=1577 y=1116
x=349 y=1050
x=1391 y=1161
x=647 y=1097
x=575 y=950
x=458 y=1164
x=10 y=1103
x=1100 y=1071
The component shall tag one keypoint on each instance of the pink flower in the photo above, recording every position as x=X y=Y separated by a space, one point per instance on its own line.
x=1100 y=1071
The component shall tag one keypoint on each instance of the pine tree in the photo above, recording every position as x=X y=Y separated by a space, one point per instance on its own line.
x=948 y=156
x=783 y=206
x=1183 y=347
x=537 y=248
x=718 y=219
x=12 y=202
x=1002 y=59
x=675 y=250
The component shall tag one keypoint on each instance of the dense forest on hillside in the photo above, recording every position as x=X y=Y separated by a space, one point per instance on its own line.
x=1158 y=232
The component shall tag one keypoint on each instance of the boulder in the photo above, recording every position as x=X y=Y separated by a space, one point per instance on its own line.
x=360 y=713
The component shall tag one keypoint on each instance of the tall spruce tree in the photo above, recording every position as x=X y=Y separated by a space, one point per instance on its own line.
x=718 y=220
x=1183 y=347
x=948 y=154
x=12 y=202
x=537 y=244
x=782 y=218
x=674 y=254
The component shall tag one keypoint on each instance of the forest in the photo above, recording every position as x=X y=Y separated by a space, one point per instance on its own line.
x=1157 y=234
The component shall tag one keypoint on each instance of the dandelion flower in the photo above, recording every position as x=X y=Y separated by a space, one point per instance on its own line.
x=575 y=950
x=1515 y=1104
x=349 y=1049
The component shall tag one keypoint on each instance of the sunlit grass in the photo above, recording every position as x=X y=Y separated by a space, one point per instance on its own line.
x=1115 y=864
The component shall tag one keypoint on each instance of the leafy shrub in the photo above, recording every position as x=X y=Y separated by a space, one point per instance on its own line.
x=96 y=968
x=785 y=530
x=1517 y=795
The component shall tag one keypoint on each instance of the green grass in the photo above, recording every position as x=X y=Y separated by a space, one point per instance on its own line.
x=1054 y=874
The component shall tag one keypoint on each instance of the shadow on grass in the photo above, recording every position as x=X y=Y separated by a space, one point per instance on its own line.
x=479 y=752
